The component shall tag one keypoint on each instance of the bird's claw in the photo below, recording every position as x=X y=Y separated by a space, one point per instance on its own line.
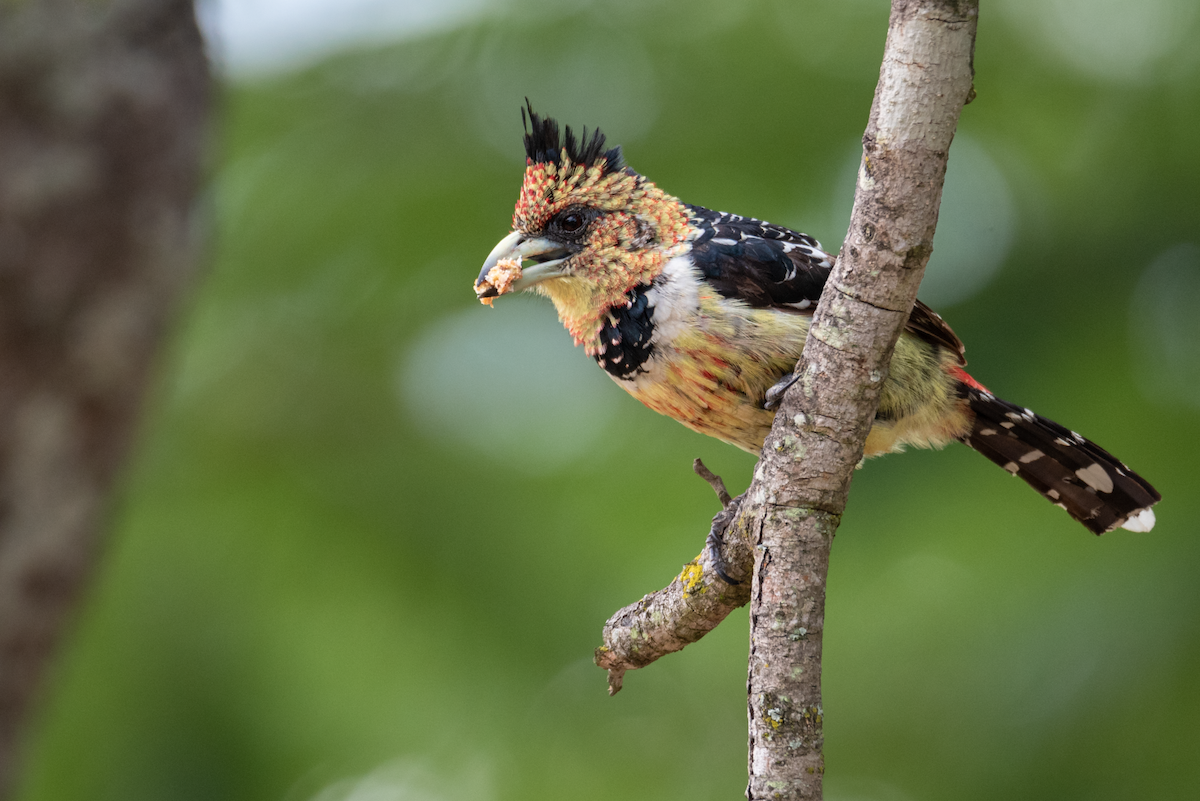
x=714 y=541
x=775 y=394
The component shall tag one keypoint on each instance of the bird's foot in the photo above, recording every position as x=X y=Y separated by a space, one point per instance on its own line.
x=720 y=523
x=775 y=393
x=714 y=541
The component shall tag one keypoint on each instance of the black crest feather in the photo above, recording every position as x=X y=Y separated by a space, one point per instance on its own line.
x=543 y=144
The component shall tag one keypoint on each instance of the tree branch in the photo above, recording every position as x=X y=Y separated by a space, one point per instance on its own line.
x=689 y=607
x=803 y=478
x=794 y=505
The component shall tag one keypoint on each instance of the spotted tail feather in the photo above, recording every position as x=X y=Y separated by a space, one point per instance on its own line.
x=1089 y=482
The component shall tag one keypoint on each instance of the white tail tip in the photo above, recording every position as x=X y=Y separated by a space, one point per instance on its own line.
x=1142 y=520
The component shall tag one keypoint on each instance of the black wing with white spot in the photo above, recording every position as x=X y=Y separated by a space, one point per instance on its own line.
x=762 y=264
x=769 y=266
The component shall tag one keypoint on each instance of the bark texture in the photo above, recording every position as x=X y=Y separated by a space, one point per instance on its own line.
x=802 y=481
x=794 y=505
x=103 y=108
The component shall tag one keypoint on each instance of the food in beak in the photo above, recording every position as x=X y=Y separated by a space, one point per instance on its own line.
x=498 y=281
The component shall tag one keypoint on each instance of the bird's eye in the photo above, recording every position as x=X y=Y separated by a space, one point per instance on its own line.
x=570 y=222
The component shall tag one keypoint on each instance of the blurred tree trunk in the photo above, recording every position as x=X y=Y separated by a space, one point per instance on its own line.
x=103 y=110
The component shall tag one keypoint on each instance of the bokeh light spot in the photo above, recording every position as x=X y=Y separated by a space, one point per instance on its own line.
x=507 y=383
x=624 y=104
x=1166 y=329
x=1120 y=41
x=976 y=225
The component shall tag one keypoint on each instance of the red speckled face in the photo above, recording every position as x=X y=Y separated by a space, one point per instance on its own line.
x=629 y=229
x=632 y=201
x=549 y=188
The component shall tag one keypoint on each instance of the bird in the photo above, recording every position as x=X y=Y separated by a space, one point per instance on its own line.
x=702 y=315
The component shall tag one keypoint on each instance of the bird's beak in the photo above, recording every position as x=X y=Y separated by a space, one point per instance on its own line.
x=547 y=257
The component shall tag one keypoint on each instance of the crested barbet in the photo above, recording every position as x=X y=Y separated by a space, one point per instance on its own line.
x=701 y=315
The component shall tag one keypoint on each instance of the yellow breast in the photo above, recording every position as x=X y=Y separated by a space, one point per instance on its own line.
x=712 y=377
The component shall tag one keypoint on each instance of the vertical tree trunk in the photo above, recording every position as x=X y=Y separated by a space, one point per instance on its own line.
x=802 y=481
x=103 y=108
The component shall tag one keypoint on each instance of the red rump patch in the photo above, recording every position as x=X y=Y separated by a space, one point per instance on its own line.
x=963 y=376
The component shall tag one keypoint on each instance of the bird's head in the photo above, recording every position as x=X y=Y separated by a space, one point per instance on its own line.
x=588 y=228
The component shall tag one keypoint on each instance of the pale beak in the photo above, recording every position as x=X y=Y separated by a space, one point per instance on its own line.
x=547 y=255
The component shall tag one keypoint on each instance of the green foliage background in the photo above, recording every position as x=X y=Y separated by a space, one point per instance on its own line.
x=372 y=529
